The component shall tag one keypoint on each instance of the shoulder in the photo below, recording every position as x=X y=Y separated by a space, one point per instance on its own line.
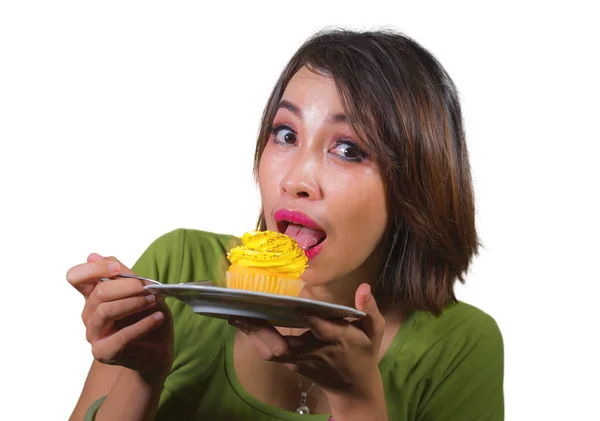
x=469 y=320
x=460 y=329
x=457 y=318
x=461 y=360
x=185 y=237
x=477 y=327
x=185 y=255
x=462 y=338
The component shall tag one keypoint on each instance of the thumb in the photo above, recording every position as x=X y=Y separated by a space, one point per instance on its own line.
x=374 y=324
x=94 y=257
x=113 y=264
x=122 y=267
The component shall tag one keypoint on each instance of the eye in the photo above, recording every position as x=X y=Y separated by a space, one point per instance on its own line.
x=285 y=135
x=349 y=151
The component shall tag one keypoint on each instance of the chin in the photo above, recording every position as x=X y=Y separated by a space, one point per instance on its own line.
x=316 y=276
x=311 y=277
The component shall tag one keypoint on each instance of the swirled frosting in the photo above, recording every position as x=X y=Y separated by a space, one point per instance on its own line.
x=271 y=251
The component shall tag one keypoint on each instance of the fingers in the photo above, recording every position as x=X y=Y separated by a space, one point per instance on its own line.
x=108 y=349
x=107 y=313
x=116 y=290
x=303 y=348
x=374 y=324
x=324 y=336
x=122 y=267
x=273 y=346
x=86 y=276
x=327 y=330
x=334 y=330
x=265 y=338
x=94 y=257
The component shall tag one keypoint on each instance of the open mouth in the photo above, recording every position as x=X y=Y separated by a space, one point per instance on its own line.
x=306 y=237
x=307 y=233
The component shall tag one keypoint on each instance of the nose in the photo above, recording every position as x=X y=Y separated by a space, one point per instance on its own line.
x=300 y=179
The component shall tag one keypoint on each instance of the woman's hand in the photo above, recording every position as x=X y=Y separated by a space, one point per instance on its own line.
x=125 y=325
x=340 y=356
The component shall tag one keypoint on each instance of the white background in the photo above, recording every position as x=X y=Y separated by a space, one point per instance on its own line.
x=120 y=121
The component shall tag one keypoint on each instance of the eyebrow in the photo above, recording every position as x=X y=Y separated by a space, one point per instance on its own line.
x=334 y=118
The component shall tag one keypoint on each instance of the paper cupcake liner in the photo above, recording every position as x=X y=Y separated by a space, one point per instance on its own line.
x=265 y=283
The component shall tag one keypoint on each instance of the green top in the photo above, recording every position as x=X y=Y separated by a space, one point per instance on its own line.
x=448 y=368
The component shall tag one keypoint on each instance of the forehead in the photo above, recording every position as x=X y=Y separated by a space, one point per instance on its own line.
x=308 y=88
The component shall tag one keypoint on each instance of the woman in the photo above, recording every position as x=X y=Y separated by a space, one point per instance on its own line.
x=362 y=135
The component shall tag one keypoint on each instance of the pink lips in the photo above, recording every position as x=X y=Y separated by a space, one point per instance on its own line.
x=301 y=219
x=296 y=218
x=312 y=252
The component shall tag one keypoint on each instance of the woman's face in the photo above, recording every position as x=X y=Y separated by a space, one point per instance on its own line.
x=319 y=185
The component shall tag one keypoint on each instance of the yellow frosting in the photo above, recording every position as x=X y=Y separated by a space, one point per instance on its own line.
x=271 y=251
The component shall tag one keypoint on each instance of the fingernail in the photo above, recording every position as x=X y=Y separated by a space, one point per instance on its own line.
x=94 y=257
x=239 y=324
x=114 y=268
x=150 y=298
x=158 y=316
x=368 y=295
x=234 y=322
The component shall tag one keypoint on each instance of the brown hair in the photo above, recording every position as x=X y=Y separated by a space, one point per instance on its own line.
x=401 y=102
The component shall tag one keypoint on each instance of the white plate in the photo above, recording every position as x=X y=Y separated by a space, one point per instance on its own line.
x=279 y=310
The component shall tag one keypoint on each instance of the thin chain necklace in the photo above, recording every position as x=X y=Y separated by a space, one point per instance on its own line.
x=303 y=409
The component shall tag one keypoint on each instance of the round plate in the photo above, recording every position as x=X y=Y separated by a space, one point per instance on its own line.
x=279 y=310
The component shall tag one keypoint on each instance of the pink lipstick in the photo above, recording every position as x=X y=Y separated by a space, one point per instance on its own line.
x=308 y=234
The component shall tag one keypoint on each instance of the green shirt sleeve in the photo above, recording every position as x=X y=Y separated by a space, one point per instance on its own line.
x=467 y=379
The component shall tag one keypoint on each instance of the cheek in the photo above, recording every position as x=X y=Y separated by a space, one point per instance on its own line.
x=268 y=179
x=362 y=204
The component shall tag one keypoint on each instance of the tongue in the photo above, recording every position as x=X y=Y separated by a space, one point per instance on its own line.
x=304 y=236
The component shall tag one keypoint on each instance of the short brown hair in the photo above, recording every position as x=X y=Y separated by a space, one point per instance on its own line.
x=401 y=102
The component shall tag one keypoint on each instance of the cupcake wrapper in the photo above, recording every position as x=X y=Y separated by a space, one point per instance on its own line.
x=264 y=283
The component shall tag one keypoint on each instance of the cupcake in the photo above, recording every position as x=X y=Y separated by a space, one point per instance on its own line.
x=268 y=262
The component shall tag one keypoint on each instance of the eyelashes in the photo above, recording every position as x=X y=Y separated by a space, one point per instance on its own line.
x=349 y=151
x=345 y=149
x=284 y=135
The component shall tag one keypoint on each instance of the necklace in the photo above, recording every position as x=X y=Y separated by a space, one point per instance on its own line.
x=303 y=408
